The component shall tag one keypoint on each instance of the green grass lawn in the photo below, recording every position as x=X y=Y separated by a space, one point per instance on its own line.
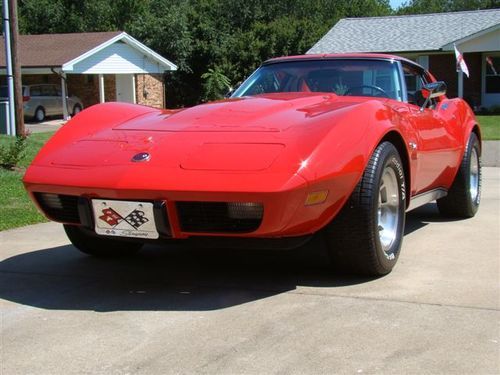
x=490 y=127
x=16 y=209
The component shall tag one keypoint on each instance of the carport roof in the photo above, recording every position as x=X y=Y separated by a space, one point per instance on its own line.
x=56 y=50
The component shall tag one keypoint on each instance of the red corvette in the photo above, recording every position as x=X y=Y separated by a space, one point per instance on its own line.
x=335 y=145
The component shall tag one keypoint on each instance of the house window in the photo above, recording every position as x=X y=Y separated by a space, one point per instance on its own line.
x=492 y=76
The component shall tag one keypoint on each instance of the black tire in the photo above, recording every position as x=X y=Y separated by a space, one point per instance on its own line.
x=39 y=115
x=88 y=243
x=76 y=110
x=358 y=242
x=464 y=195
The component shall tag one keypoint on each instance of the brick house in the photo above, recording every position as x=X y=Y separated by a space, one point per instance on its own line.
x=429 y=39
x=96 y=67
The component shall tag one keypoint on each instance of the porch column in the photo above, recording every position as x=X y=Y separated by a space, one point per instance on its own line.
x=460 y=84
x=64 y=95
x=101 y=88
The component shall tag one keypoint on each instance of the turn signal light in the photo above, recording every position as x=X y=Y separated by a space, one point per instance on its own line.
x=316 y=197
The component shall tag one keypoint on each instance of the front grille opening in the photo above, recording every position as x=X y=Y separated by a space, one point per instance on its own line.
x=58 y=207
x=219 y=217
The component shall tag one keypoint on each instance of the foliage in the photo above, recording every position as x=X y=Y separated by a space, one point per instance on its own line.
x=215 y=85
x=439 y=6
x=12 y=152
x=233 y=36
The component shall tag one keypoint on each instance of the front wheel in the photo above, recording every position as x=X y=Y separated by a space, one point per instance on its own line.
x=464 y=195
x=367 y=234
x=89 y=243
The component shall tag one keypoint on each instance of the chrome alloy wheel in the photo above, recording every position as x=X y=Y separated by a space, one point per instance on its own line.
x=388 y=209
x=474 y=175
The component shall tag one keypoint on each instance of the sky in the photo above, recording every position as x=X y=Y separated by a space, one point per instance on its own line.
x=396 y=3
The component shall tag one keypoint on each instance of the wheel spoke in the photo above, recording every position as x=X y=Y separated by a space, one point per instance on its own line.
x=388 y=207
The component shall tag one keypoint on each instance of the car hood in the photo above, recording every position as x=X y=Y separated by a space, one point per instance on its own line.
x=265 y=113
x=237 y=135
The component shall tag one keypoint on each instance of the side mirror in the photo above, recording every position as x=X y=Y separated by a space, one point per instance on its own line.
x=432 y=90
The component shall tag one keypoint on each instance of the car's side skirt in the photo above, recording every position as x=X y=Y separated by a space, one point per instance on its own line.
x=427 y=197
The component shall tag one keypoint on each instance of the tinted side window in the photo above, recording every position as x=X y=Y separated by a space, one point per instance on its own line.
x=48 y=91
x=35 y=91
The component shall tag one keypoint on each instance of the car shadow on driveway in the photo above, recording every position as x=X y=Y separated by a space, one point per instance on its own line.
x=175 y=278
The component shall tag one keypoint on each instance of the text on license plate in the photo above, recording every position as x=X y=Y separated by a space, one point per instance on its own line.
x=124 y=218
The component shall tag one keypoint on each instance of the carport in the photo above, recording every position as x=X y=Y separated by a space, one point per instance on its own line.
x=99 y=60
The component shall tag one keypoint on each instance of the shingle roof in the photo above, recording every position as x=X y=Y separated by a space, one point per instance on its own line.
x=425 y=32
x=53 y=50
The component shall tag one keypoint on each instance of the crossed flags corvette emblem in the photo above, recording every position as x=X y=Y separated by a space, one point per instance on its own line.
x=124 y=218
x=136 y=218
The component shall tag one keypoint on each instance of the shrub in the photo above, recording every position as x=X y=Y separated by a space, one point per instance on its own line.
x=13 y=152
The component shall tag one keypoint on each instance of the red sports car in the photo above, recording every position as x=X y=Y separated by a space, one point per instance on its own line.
x=334 y=145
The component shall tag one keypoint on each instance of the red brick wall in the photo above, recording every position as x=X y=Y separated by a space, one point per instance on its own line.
x=443 y=67
x=150 y=90
x=86 y=87
x=472 y=85
x=33 y=79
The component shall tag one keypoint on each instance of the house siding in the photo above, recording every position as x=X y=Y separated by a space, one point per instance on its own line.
x=117 y=58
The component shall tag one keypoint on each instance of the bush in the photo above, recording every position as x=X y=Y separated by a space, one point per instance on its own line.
x=12 y=153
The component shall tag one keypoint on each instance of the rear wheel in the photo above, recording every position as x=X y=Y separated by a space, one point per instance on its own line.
x=76 y=110
x=88 y=243
x=367 y=234
x=464 y=195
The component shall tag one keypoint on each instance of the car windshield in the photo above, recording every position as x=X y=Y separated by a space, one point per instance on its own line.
x=354 y=77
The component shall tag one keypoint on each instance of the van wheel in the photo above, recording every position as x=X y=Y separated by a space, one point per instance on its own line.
x=39 y=114
x=76 y=109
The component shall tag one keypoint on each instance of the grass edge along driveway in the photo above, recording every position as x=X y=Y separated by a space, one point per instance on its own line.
x=16 y=209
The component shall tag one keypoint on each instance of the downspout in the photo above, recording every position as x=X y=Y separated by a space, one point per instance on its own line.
x=11 y=123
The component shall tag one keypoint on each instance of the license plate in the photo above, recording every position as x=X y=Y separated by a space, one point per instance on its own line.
x=124 y=218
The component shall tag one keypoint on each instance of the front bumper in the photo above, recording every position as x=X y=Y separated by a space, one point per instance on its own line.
x=282 y=197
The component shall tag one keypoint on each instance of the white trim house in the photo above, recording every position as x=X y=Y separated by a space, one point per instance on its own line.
x=115 y=55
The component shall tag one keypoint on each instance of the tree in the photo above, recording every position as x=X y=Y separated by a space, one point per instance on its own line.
x=208 y=40
x=440 y=6
x=215 y=84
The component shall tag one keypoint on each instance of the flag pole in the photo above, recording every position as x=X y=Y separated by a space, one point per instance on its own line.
x=460 y=84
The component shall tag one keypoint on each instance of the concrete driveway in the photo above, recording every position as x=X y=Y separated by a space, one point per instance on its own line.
x=230 y=312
